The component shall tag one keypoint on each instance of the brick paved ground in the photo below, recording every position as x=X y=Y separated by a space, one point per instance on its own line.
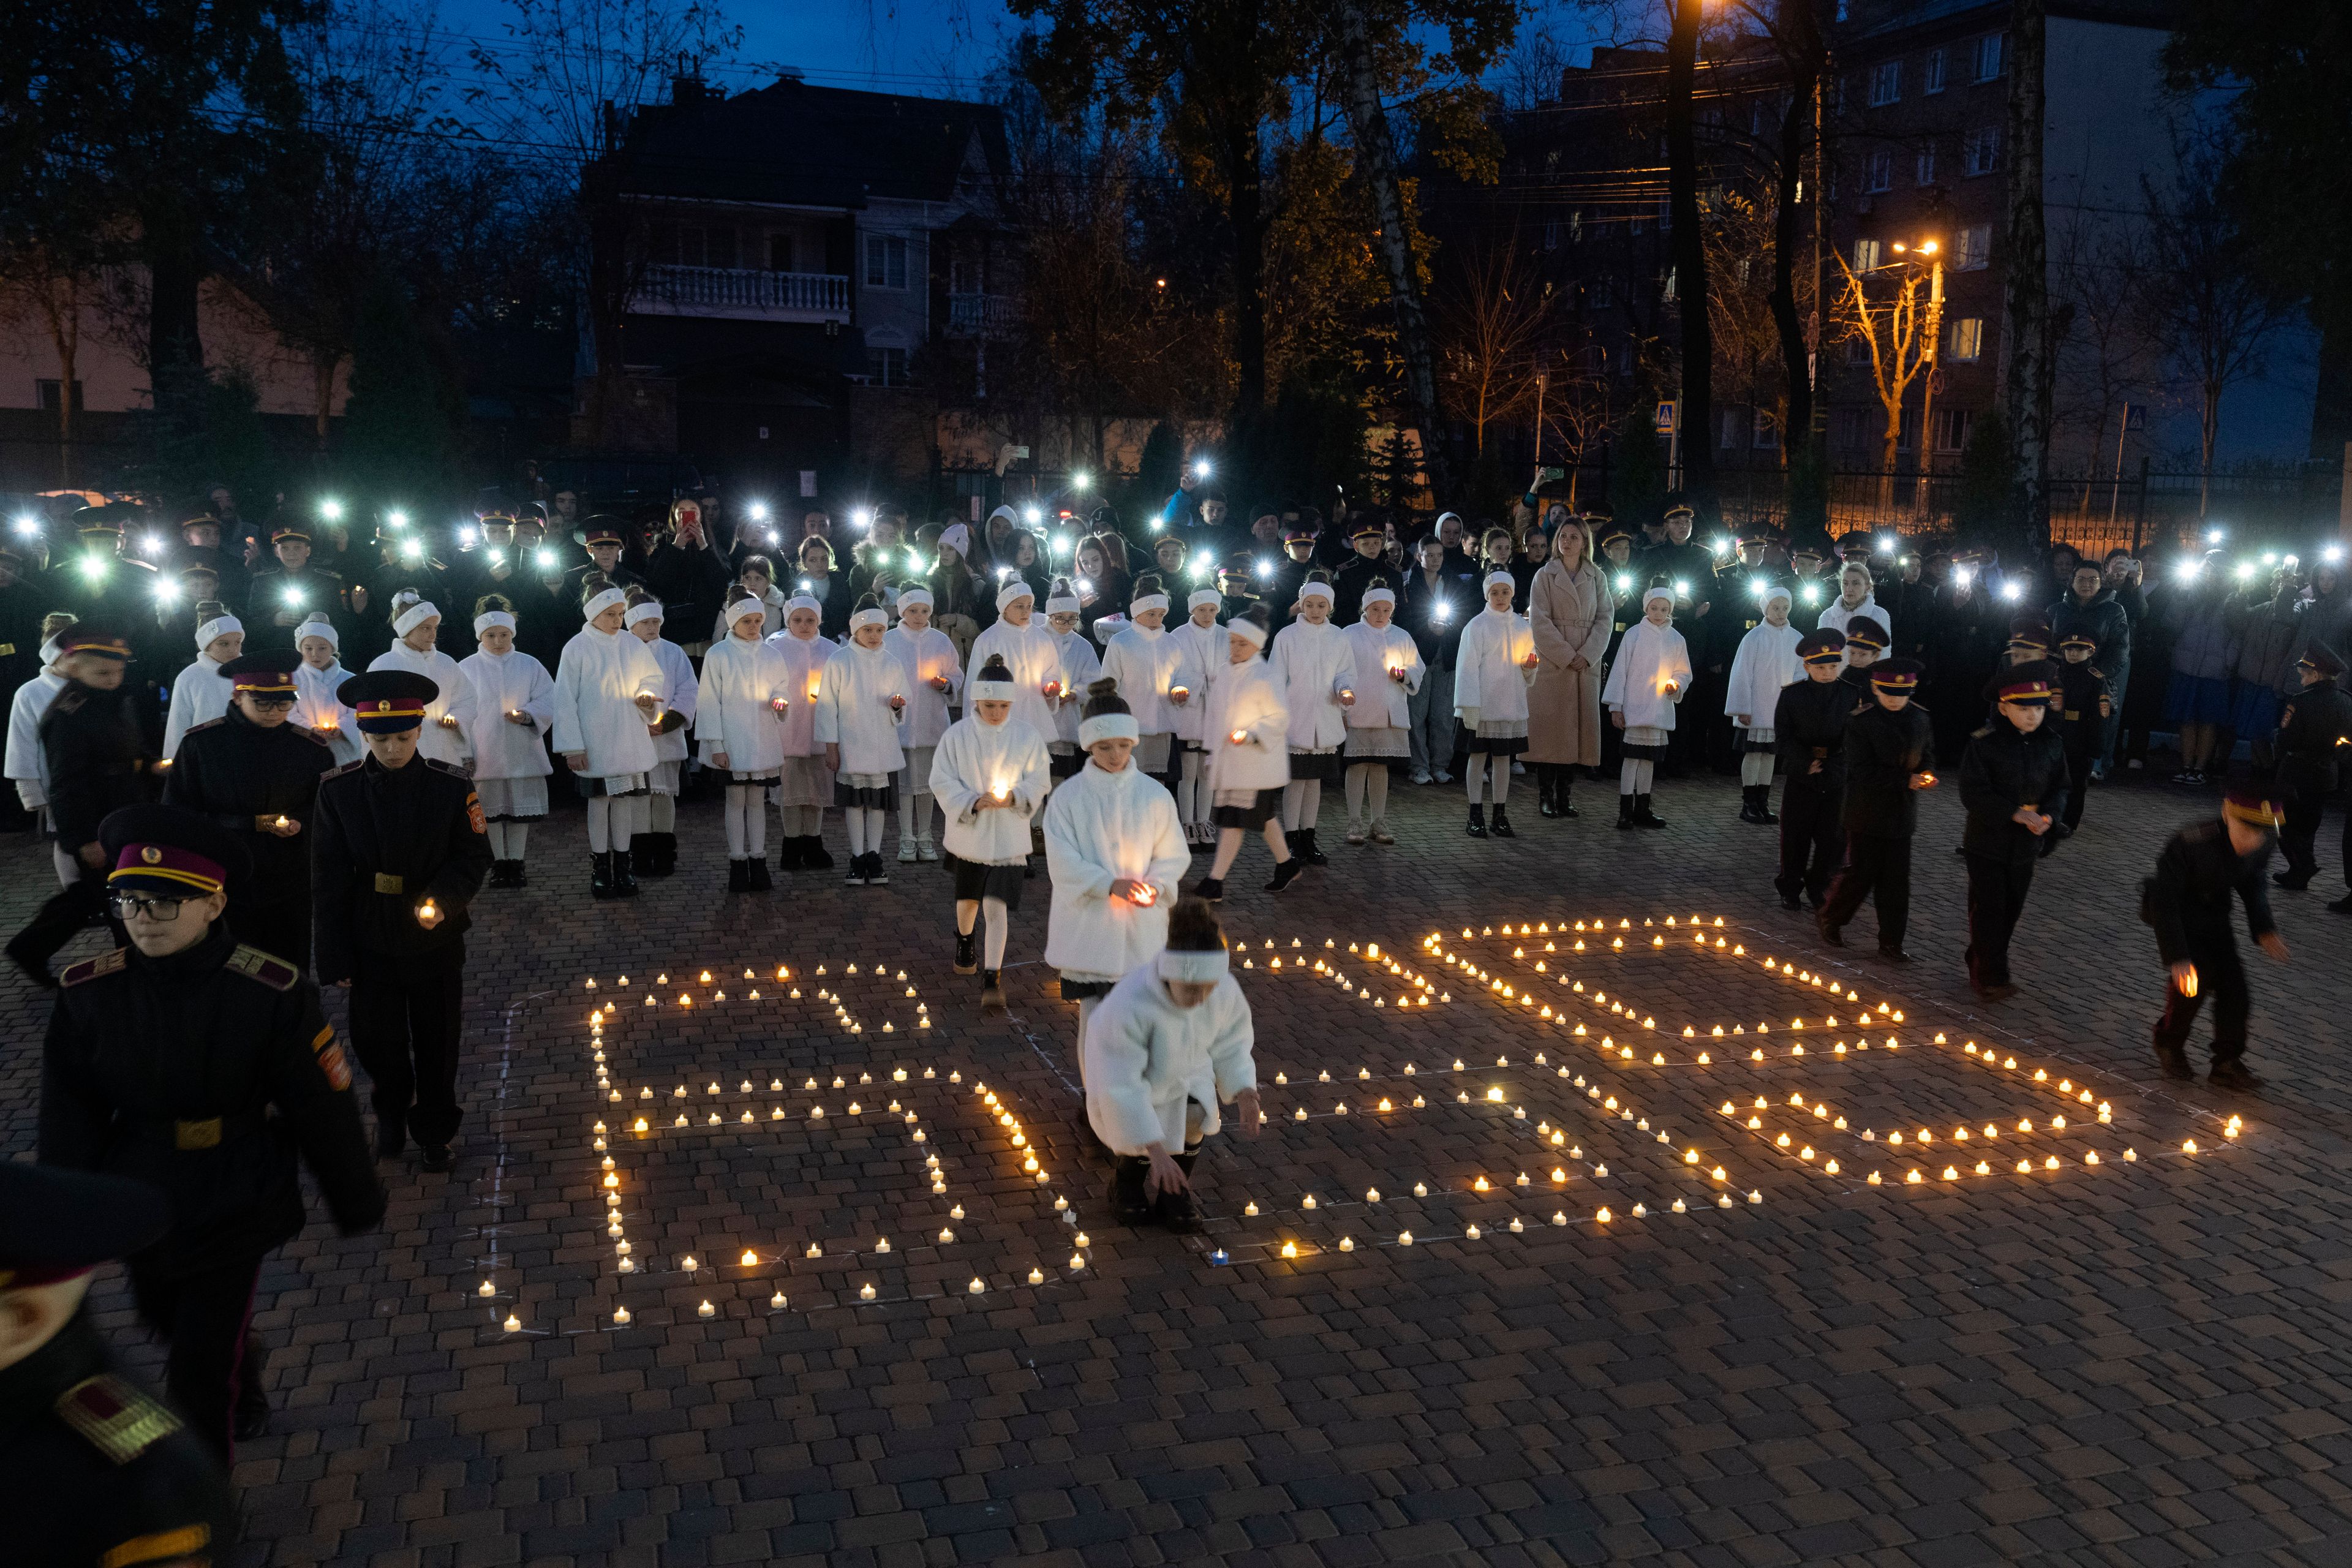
x=2139 y=1363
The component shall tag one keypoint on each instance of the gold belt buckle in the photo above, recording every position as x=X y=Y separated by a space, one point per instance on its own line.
x=205 y=1134
x=388 y=883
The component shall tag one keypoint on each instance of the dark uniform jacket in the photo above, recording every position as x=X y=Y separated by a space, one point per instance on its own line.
x=1883 y=750
x=242 y=776
x=2006 y=768
x=2078 y=720
x=202 y=1074
x=95 y=1472
x=2188 y=900
x=545 y=620
x=99 y=759
x=1348 y=583
x=386 y=839
x=305 y=595
x=2313 y=720
x=1809 y=726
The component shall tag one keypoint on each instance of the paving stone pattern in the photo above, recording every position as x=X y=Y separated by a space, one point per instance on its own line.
x=2140 y=1363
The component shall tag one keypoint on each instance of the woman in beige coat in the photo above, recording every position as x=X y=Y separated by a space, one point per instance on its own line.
x=1568 y=606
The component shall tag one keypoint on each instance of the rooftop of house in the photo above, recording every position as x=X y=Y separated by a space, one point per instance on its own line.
x=790 y=144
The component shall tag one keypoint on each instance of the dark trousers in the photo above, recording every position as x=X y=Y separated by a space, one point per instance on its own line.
x=405 y=1023
x=205 y=1317
x=2221 y=976
x=1879 y=867
x=57 y=921
x=2079 y=759
x=1812 y=836
x=1996 y=889
x=2299 y=835
x=281 y=928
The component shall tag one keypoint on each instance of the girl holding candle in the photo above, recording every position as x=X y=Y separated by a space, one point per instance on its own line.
x=315 y=707
x=200 y=695
x=1145 y=659
x=1646 y=682
x=1766 y=662
x=1031 y=651
x=1378 y=731
x=927 y=660
x=804 y=784
x=1078 y=666
x=449 y=717
x=989 y=772
x=1201 y=653
x=742 y=708
x=861 y=711
x=1312 y=662
x=608 y=687
x=656 y=856
x=756 y=578
x=514 y=707
x=1114 y=850
x=1248 y=735
x=1492 y=671
x=1172 y=1041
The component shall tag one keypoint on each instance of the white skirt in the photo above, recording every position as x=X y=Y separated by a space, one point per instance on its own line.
x=805 y=781
x=664 y=777
x=513 y=800
x=916 y=775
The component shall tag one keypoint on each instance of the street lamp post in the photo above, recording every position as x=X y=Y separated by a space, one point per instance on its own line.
x=1935 y=255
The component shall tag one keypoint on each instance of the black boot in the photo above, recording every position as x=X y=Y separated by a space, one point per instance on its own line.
x=1643 y=816
x=877 y=874
x=252 y=1398
x=656 y=853
x=1748 y=803
x=1289 y=871
x=760 y=882
x=1129 y=1202
x=967 y=958
x=1477 y=825
x=813 y=856
x=624 y=875
x=738 y=876
x=600 y=876
x=1625 y=812
x=1178 y=1212
x=1210 y=889
x=516 y=875
x=1764 y=812
x=1313 y=856
x=1789 y=900
x=992 y=990
x=788 y=853
x=1562 y=778
x=1502 y=823
x=1545 y=782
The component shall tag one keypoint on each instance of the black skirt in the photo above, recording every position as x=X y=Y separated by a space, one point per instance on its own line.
x=1084 y=990
x=976 y=879
x=1468 y=742
x=1265 y=808
x=1065 y=764
x=847 y=794
x=1319 y=767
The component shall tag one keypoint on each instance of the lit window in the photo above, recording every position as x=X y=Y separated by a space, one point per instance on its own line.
x=1865 y=255
x=1976 y=247
x=1967 y=338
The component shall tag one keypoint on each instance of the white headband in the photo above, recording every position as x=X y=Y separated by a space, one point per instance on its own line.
x=1014 y=589
x=1315 y=591
x=868 y=617
x=1064 y=605
x=989 y=691
x=318 y=629
x=1108 y=727
x=1379 y=596
x=747 y=607
x=1192 y=968
x=1204 y=596
x=604 y=600
x=415 y=616
x=803 y=602
x=489 y=618
x=220 y=625
x=1505 y=578
x=1247 y=630
x=914 y=596
x=650 y=610
x=1148 y=602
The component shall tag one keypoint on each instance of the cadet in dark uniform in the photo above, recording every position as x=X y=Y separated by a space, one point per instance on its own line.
x=1889 y=751
x=2313 y=735
x=2083 y=699
x=1809 y=727
x=95 y=1472
x=399 y=849
x=2188 y=902
x=2013 y=784
x=96 y=746
x=291 y=592
x=200 y=1066
x=1236 y=581
x=1370 y=540
x=257 y=776
x=606 y=541
x=1865 y=640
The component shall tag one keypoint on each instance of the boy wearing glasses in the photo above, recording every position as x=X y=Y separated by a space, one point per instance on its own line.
x=122 y=1093
x=256 y=775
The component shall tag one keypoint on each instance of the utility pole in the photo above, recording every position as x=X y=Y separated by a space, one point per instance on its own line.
x=1934 y=252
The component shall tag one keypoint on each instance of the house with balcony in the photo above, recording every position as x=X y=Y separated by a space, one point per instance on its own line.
x=809 y=272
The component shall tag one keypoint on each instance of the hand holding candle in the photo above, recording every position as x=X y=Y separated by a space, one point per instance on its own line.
x=428 y=914
x=1239 y=736
x=285 y=827
x=1396 y=673
x=446 y=721
x=1347 y=698
x=517 y=716
x=779 y=703
x=1180 y=695
x=897 y=703
x=939 y=683
x=1142 y=895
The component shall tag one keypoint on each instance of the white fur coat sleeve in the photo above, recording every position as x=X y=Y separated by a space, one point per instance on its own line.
x=854 y=711
x=199 y=697
x=597 y=683
x=923 y=655
x=734 y=714
x=1648 y=660
x=681 y=693
x=971 y=760
x=27 y=764
x=1147 y=1060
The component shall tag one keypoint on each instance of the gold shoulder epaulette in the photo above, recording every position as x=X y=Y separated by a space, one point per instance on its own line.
x=118 y=1420
x=266 y=967
x=88 y=969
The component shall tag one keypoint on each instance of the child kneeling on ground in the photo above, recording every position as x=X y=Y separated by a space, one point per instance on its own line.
x=1169 y=1043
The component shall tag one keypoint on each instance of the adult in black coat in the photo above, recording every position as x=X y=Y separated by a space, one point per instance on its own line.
x=399 y=853
x=2314 y=734
x=2092 y=608
x=689 y=577
x=1970 y=622
x=2188 y=902
x=1808 y=727
x=1890 y=753
x=2013 y=784
x=293 y=591
x=201 y=1066
x=255 y=777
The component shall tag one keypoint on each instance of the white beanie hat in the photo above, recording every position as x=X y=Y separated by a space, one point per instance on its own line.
x=1015 y=588
x=318 y=629
x=218 y=626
